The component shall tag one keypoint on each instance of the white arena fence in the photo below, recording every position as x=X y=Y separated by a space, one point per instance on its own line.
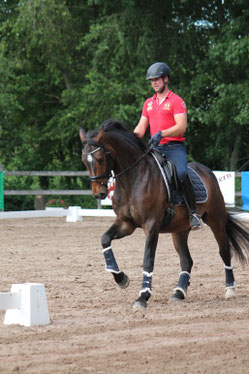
x=72 y=214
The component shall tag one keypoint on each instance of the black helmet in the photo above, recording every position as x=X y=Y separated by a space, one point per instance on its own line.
x=159 y=69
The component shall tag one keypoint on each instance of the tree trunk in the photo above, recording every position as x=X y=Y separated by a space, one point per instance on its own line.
x=235 y=153
x=67 y=80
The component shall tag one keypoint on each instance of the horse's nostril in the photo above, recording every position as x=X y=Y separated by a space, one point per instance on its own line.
x=101 y=195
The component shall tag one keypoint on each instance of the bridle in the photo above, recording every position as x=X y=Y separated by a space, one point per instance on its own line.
x=109 y=158
x=108 y=174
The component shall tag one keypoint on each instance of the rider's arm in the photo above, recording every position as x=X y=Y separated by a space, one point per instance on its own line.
x=141 y=126
x=179 y=128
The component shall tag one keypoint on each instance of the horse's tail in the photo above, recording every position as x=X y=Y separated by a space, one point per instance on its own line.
x=238 y=238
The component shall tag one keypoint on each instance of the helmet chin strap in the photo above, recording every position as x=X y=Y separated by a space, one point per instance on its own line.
x=164 y=85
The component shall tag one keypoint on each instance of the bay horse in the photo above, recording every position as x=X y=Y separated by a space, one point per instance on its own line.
x=140 y=200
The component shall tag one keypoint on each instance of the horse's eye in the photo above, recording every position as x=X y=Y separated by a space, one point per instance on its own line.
x=100 y=161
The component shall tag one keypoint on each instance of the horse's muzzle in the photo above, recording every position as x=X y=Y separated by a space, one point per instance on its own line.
x=100 y=195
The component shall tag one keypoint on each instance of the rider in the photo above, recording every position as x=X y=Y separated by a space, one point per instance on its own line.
x=166 y=113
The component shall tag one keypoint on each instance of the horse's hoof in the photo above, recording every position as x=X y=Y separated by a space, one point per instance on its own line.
x=230 y=294
x=125 y=282
x=178 y=296
x=121 y=279
x=140 y=304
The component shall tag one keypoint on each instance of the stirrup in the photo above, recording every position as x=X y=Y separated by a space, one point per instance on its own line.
x=195 y=222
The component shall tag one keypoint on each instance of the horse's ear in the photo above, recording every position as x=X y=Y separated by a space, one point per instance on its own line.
x=99 y=137
x=82 y=135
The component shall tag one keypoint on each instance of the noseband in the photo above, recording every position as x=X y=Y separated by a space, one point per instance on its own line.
x=99 y=146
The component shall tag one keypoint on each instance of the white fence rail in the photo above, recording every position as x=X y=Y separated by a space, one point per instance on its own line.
x=72 y=214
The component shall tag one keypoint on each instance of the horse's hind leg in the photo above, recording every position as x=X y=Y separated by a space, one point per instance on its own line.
x=180 y=241
x=218 y=227
x=118 y=230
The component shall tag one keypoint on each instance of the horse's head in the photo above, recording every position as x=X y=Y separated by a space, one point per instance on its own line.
x=98 y=161
x=112 y=147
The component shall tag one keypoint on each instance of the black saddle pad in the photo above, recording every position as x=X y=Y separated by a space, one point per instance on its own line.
x=201 y=194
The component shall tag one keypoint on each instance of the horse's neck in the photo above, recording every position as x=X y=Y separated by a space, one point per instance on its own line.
x=126 y=159
x=120 y=149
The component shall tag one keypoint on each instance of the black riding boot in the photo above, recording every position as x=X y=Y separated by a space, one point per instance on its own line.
x=189 y=198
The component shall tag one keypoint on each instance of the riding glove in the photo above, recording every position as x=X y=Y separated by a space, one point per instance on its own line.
x=156 y=138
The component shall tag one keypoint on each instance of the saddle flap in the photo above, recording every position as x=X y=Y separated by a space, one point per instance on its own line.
x=168 y=169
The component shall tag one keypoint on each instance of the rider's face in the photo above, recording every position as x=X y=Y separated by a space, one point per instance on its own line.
x=158 y=83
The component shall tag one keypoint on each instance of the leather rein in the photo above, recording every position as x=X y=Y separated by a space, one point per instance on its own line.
x=108 y=174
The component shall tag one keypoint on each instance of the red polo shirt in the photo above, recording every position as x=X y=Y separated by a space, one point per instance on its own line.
x=161 y=117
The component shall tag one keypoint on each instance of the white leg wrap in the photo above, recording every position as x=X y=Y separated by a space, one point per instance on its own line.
x=230 y=287
x=111 y=264
x=228 y=267
x=106 y=249
x=183 y=283
x=147 y=274
x=145 y=290
x=184 y=272
x=146 y=285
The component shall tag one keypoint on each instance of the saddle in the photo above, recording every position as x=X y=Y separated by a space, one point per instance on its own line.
x=168 y=171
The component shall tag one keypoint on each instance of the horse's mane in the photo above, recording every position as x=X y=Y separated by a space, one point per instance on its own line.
x=112 y=125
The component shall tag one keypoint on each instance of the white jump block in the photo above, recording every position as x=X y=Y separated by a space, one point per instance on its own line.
x=74 y=214
x=25 y=304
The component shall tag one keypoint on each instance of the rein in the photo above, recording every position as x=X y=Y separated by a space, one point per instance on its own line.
x=135 y=164
x=108 y=174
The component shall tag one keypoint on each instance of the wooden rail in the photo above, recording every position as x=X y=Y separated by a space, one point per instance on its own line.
x=47 y=192
x=47 y=174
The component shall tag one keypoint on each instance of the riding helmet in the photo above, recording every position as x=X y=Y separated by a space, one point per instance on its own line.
x=158 y=69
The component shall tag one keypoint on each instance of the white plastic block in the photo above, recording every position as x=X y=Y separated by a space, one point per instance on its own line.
x=9 y=300
x=30 y=308
x=74 y=214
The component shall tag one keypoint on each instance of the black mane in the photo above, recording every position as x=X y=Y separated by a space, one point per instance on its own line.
x=112 y=125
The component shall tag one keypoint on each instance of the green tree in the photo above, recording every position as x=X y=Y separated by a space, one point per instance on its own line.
x=221 y=120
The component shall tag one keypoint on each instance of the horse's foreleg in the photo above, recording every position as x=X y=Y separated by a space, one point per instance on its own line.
x=186 y=262
x=148 y=266
x=118 y=230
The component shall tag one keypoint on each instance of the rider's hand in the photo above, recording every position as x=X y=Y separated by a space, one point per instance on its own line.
x=156 y=138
